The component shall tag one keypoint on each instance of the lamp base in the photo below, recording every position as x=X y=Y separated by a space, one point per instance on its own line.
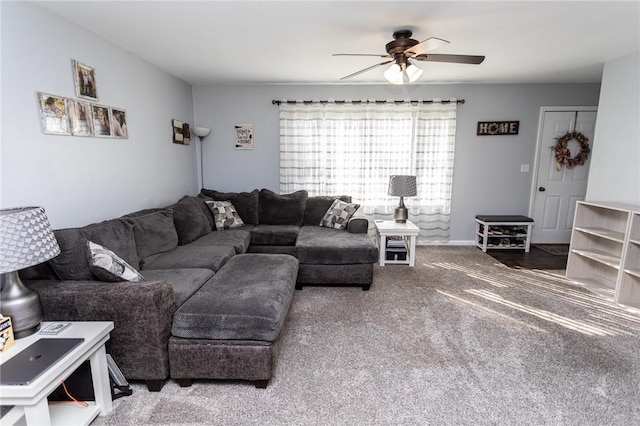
x=21 y=304
x=401 y=213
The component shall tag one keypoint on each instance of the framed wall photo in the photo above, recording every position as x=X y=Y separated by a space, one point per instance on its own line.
x=85 y=79
x=80 y=118
x=119 y=123
x=53 y=114
x=101 y=120
x=181 y=132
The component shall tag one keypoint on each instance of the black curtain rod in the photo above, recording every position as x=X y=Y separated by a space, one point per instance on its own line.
x=277 y=102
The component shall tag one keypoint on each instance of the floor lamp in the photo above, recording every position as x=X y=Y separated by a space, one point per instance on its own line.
x=26 y=239
x=201 y=133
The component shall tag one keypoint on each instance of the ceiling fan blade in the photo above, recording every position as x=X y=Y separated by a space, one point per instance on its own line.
x=432 y=43
x=366 y=69
x=361 y=54
x=458 y=59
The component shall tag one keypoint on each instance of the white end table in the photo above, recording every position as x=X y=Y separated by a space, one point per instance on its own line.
x=408 y=231
x=30 y=401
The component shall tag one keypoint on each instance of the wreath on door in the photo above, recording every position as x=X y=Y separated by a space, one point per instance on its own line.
x=563 y=154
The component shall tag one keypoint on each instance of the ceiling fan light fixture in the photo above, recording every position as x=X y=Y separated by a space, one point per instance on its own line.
x=394 y=74
x=413 y=73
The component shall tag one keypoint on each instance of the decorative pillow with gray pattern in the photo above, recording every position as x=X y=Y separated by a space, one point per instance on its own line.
x=338 y=215
x=225 y=215
x=108 y=266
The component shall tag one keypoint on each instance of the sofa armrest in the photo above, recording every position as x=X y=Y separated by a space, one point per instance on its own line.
x=358 y=224
x=142 y=314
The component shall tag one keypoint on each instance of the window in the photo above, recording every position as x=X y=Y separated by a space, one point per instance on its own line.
x=353 y=148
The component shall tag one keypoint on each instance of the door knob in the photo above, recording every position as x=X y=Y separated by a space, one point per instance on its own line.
x=542 y=189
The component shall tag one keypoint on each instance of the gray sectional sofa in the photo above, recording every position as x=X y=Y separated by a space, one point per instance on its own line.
x=213 y=301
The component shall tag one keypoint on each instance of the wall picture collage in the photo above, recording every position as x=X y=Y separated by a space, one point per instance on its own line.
x=66 y=116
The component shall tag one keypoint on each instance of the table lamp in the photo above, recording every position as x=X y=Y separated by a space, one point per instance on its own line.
x=26 y=239
x=402 y=186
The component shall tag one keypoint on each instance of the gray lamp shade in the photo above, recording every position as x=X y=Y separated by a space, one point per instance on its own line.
x=26 y=238
x=402 y=186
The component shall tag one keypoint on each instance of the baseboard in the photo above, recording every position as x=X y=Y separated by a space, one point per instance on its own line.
x=446 y=243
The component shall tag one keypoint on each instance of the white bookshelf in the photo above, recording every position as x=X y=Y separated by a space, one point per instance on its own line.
x=604 y=255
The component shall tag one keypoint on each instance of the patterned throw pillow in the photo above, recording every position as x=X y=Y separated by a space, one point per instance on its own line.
x=338 y=215
x=225 y=215
x=107 y=266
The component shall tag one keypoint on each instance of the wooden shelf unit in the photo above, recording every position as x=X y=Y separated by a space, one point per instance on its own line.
x=604 y=254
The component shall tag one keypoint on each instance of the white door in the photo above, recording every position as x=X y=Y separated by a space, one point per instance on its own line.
x=557 y=191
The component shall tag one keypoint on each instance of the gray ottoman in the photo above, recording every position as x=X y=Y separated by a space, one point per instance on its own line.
x=230 y=328
x=332 y=257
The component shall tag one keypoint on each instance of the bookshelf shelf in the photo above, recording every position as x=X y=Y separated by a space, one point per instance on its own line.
x=604 y=255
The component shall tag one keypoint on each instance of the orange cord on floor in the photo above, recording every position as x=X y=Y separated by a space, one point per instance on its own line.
x=80 y=403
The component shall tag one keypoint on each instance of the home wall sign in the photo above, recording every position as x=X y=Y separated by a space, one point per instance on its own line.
x=498 y=128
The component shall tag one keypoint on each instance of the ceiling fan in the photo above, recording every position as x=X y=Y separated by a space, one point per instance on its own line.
x=402 y=51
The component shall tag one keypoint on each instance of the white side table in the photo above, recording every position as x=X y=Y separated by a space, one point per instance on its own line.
x=30 y=401
x=408 y=231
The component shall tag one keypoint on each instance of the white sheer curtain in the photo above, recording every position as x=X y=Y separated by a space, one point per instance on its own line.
x=353 y=148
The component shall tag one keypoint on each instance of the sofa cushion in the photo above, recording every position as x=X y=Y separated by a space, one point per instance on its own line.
x=154 y=233
x=338 y=215
x=71 y=263
x=274 y=235
x=189 y=219
x=282 y=209
x=206 y=211
x=115 y=234
x=238 y=238
x=193 y=256
x=107 y=266
x=326 y=246
x=317 y=207
x=185 y=282
x=246 y=203
x=247 y=300
x=224 y=215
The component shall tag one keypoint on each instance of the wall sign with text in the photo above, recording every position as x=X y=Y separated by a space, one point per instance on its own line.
x=244 y=136
x=497 y=128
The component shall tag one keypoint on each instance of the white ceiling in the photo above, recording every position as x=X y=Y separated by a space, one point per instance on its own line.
x=228 y=42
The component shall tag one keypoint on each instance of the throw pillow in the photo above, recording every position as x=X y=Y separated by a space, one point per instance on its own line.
x=107 y=266
x=225 y=215
x=339 y=214
x=318 y=205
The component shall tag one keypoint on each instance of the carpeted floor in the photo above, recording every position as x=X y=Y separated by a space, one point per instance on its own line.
x=459 y=339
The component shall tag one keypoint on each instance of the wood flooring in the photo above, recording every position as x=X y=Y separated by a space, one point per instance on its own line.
x=535 y=259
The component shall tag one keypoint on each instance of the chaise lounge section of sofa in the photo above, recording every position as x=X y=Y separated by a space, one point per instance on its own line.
x=291 y=224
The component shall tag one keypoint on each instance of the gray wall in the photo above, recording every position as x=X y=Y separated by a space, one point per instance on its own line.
x=79 y=180
x=615 y=163
x=487 y=177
